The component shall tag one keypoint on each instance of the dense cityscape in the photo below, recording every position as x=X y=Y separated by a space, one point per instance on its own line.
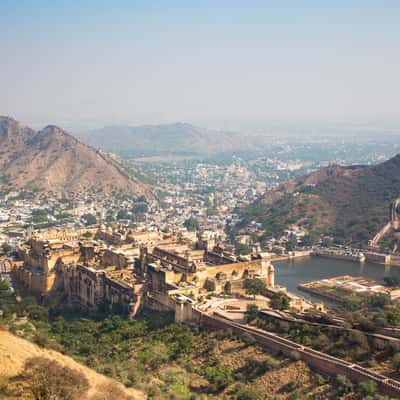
x=188 y=249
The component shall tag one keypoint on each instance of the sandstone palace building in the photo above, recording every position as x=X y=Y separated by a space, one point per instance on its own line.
x=133 y=269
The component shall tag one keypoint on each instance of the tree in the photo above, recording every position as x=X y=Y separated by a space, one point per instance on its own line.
x=344 y=385
x=251 y=312
x=248 y=393
x=6 y=248
x=38 y=216
x=368 y=388
x=393 y=317
x=359 y=342
x=254 y=286
x=352 y=303
x=391 y=280
x=89 y=219
x=191 y=224
x=310 y=239
x=37 y=313
x=280 y=301
x=291 y=243
x=47 y=380
x=242 y=248
x=153 y=355
x=254 y=368
x=379 y=300
x=220 y=377
x=140 y=208
x=123 y=214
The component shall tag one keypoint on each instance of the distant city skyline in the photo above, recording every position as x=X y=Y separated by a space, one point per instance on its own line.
x=229 y=64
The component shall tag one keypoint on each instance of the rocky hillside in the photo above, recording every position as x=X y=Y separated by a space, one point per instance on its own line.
x=53 y=160
x=178 y=138
x=351 y=203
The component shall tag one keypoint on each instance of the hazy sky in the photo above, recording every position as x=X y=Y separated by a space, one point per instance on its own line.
x=209 y=62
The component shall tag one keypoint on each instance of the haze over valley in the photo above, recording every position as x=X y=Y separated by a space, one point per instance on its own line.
x=199 y=200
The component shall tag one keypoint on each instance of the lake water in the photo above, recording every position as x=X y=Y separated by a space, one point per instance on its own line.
x=292 y=272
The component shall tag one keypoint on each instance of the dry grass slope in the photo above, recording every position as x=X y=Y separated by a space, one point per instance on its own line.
x=14 y=352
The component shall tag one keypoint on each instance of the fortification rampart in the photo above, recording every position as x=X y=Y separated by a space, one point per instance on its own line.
x=320 y=361
x=380 y=335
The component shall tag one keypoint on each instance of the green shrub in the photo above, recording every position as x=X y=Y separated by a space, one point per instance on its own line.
x=368 y=388
x=248 y=393
x=251 y=312
x=344 y=385
x=219 y=377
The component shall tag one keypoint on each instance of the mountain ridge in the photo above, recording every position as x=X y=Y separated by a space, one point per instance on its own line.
x=53 y=160
x=350 y=203
x=173 y=138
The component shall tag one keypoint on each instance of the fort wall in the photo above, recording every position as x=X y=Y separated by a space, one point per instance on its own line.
x=321 y=362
